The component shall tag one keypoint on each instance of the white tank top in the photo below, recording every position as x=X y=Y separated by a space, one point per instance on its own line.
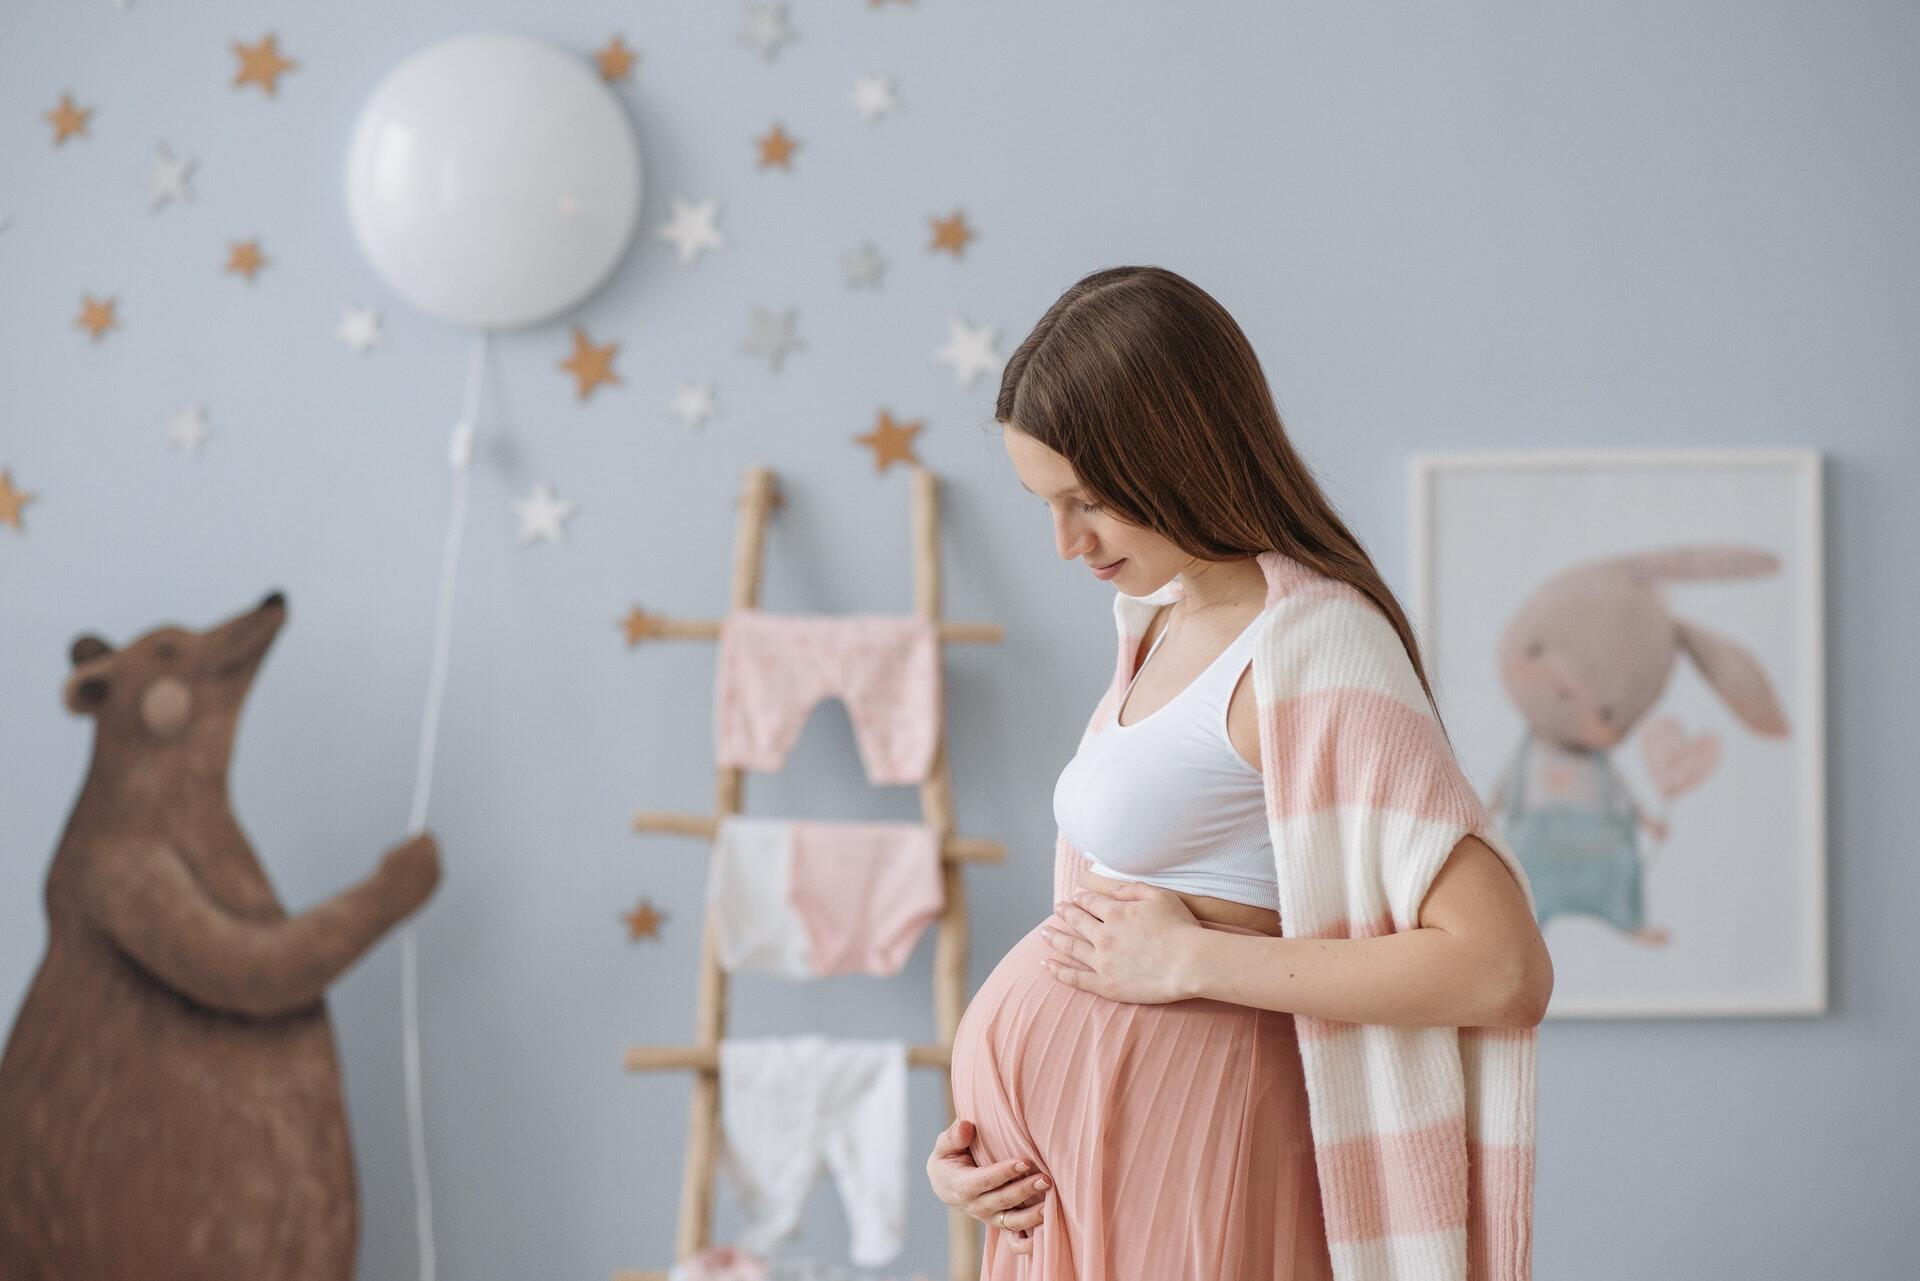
x=1168 y=799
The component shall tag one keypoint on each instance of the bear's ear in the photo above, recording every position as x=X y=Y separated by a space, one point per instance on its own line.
x=87 y=648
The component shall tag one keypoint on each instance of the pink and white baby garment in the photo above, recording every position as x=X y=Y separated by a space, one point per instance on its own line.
x=723 y=1262
x=789 y=1105
x=807 y=899
x=773 y=668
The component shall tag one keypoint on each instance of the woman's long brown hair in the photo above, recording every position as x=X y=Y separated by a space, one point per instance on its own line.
x=1145 y=384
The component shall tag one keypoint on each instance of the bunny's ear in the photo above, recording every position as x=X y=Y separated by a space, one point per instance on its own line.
x=1702 y=562
x=1735 y=676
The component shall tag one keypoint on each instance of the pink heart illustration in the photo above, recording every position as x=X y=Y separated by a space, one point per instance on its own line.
x=1678 y=763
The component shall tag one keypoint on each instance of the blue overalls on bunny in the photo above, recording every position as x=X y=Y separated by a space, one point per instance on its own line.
x=1577 y=858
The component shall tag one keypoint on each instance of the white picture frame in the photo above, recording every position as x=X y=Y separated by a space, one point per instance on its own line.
x=1552 y=554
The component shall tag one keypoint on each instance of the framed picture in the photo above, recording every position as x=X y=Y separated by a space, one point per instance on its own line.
x=1626 y=649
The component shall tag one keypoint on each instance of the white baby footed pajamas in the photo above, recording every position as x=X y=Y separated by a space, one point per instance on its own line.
x=789 y=1105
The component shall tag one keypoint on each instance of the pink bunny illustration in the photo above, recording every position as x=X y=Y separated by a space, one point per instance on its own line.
x=1584 y=658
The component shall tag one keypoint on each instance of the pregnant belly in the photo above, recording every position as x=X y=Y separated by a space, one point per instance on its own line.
x=1192 y=1114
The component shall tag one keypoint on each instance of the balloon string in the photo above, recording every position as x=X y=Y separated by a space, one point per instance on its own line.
x=461 y=456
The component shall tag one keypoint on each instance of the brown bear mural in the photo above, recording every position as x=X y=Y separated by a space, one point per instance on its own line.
x=170 y=1095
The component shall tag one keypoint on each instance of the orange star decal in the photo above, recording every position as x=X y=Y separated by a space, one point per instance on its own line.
x=776 y=148
x=639 y=624
x=261 y=63
x=244 y=258
x=96 y=315
x=643 y=921
x=615 y=59
x=891 y=441
x=590 y=365
x=951 y=233
x=68 y=119
x=12 y=500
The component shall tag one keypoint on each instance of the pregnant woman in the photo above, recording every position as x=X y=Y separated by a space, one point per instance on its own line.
x=1129 y=1079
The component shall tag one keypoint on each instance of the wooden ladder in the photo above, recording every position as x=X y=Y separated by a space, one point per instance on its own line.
x=759 y=496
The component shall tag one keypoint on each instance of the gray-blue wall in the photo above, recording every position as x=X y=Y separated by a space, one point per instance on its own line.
x=1455 y=225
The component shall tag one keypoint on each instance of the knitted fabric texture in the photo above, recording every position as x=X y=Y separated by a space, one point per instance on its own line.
x=1423 y=1136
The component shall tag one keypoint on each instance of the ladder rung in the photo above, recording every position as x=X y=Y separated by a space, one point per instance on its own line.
x=955 y=849
x=702 y=1058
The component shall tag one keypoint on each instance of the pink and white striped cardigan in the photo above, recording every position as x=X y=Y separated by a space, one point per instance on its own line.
x=1423 y=1136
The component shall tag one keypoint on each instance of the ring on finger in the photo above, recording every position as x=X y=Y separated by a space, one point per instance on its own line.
x=998 y=1219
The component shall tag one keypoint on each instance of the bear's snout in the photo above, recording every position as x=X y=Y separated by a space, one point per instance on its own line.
x=273 y=598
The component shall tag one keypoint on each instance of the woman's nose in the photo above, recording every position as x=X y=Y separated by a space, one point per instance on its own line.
x=1068 y=540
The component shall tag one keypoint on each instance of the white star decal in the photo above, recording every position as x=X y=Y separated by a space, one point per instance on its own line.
x=873 y=96
x=692 y=228
x=360 y=328
x=167 y=179
x=692 y=404
x=188 y=429
x=968 y=350
x=863 y=266
x=542 y=513
x=767 y=29
x=773 y=336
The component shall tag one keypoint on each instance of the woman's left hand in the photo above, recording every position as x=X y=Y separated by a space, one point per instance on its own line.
x=1130 y=945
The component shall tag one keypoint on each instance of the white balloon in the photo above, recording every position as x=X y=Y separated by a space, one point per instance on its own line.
x=493 y=180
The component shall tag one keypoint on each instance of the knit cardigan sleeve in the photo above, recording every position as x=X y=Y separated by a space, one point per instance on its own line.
x=1423 y=1136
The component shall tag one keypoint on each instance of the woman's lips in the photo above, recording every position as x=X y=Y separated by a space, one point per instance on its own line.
x=1110 y=570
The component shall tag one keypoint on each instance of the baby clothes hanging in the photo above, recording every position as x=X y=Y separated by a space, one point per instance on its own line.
x=773 y=668
x=865 y=892
x=720 y=1263
x=754 y=924
x=789 y=1105
x=806 y=899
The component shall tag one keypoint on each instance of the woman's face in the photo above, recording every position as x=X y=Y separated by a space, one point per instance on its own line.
x=1142 y=560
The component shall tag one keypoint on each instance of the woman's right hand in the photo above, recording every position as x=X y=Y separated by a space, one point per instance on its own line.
x=1005 y=1195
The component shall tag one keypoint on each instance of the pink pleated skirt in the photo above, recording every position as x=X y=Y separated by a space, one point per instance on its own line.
x=1175 y=1135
